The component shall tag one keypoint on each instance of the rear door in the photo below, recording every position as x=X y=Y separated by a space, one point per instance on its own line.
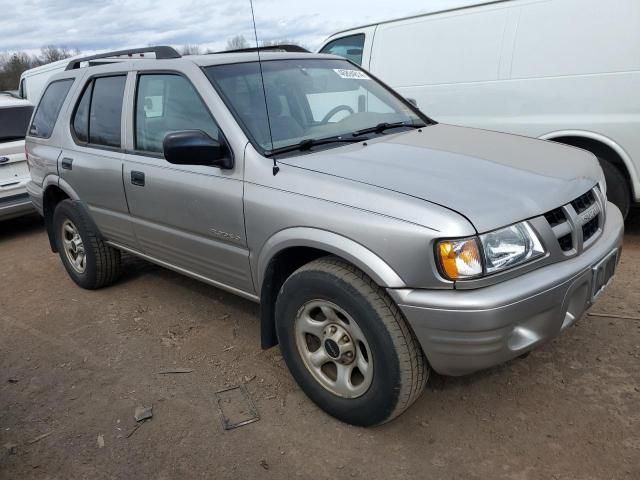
x=91 y=162
x=189 y=216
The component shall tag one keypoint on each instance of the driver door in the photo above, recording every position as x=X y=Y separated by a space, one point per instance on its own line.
x=189 y=217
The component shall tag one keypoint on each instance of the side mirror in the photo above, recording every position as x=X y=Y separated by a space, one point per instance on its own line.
x=412 y=101
x=194 y=147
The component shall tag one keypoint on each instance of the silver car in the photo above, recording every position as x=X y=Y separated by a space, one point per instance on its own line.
x=379 y=243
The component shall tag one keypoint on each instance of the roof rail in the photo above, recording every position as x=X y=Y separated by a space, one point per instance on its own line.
x=162 y=53
x=273 y=48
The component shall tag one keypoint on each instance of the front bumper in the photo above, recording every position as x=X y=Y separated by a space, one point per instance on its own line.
x=462 y=331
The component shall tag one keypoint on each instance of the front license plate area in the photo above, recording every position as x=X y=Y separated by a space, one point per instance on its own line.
x=603 y=274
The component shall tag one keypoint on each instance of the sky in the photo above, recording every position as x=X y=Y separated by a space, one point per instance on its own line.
x=91 y=25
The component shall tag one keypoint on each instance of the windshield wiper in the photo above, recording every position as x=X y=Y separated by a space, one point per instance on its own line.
x=308 y=143
x=381 y=127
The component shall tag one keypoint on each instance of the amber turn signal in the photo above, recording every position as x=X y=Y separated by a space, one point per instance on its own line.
x=460 y=258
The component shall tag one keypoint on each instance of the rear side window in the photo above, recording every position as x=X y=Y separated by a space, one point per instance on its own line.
x=348 y=47
x=98 y=114
x=49 y=108
x=167 y=103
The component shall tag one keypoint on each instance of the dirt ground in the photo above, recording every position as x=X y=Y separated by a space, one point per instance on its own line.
x=75 y=364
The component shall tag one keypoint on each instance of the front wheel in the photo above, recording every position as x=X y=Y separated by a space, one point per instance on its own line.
x=347 y=344
x=618 y=191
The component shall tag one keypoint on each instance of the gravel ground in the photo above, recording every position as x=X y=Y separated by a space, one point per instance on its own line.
x=75 y=364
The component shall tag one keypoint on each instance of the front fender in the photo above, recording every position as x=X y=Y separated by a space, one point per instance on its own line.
x=346 y=248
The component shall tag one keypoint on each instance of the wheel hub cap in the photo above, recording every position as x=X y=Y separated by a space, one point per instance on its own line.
x=73 y=246
x=338 y=344
x=333 y=348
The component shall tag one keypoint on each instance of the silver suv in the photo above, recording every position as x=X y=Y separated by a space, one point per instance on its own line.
x=379 y=243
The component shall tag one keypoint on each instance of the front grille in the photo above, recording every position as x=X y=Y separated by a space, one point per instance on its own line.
x=555 y=217
x=566 y=242
x=590 y=228
x=583 y=202
x=577 y=222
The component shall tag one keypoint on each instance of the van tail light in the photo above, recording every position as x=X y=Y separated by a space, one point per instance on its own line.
x=26 y=156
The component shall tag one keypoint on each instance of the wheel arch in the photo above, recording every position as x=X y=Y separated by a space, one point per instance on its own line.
x=56 y=190
x=52 y=195
x=289 y=249
x=601 y=146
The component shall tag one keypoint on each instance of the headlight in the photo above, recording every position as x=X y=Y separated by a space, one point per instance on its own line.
x=510 y=246
x=501 y=249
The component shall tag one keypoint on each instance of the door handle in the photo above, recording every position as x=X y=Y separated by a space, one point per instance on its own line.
x=67 y=163
x=137 y=178
x=4 y=160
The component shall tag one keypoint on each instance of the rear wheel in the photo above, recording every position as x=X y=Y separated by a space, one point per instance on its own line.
x=618 y=191
x=88 y=260
x=347 y=344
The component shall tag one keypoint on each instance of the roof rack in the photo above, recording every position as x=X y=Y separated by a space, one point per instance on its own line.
x=273 y=48
x=162 y=53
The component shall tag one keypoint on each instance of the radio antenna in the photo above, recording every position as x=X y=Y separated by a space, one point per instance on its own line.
x=276 y=169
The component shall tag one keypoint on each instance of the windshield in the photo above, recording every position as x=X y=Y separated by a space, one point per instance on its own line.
x=14 y=122
x=307 y=99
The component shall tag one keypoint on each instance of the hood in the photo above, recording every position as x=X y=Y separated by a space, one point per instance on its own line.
x=491 y=178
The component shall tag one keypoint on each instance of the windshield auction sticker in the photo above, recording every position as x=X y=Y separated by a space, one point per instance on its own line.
x=351 y=74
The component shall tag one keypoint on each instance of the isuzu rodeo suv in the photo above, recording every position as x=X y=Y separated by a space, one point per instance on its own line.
x=379 y=243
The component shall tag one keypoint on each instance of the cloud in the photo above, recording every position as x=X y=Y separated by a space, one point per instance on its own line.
x=113 y=24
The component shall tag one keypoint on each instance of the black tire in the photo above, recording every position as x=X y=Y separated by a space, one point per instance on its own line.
x=102 y=263
x=400 y=368
x=618 y=191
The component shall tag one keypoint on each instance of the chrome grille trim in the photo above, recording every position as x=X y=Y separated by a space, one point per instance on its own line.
x=579 y=223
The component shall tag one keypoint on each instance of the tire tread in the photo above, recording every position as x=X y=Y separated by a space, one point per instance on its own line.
x=108 y=262
x=414 y=370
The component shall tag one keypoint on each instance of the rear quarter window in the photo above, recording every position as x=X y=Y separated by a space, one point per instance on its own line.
x=49 y=108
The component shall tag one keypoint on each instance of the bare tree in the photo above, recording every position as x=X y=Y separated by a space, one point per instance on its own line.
x=237 y=42
x=284 y=41
x=13 y=64
x=11 y=67
x=190 y=50
x=51 y=53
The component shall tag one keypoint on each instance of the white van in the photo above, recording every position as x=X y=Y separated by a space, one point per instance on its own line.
x=563 y=70
x=33 y=81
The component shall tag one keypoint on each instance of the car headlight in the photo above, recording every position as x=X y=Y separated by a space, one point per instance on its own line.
x=489 y=253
